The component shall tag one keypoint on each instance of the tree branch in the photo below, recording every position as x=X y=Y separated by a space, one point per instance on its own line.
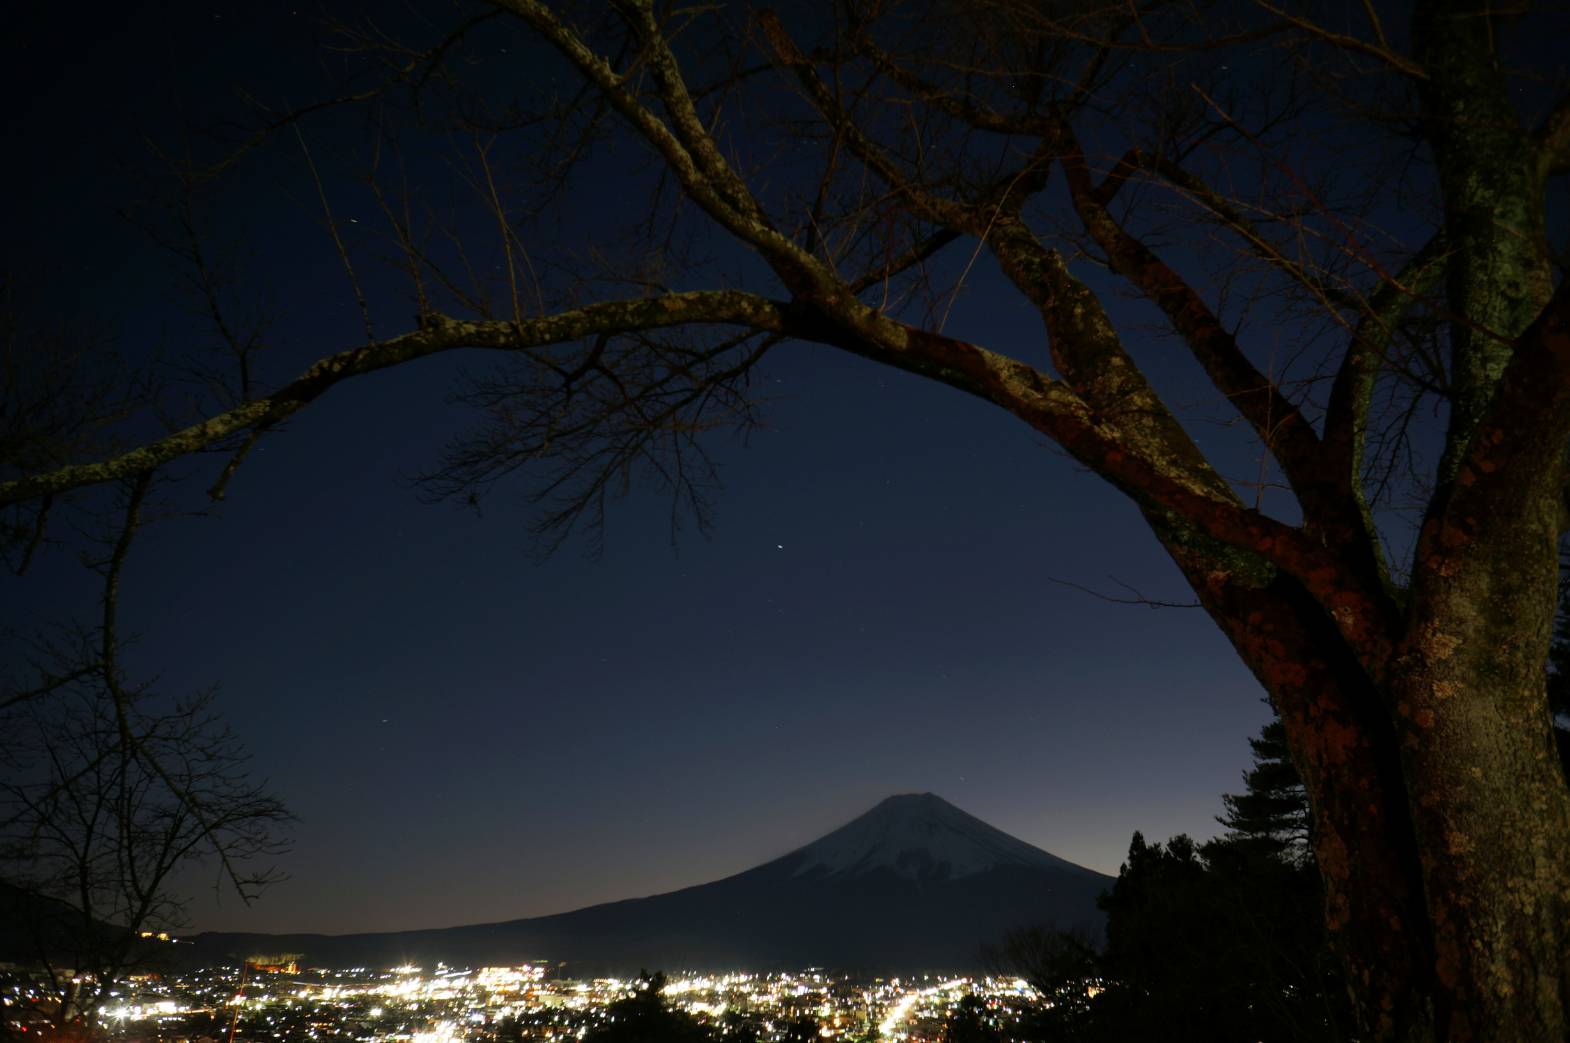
x=1520 y=442
x=1380 y=50
x=410 y=73
x=967 y=217
x=1199 y=192
x=689 y=153
x=967 y=110
x=723 y=307
x=1276 y=421
x=1346 y=417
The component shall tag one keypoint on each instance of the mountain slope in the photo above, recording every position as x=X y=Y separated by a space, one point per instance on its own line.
x=920 y=836
x=913 y=884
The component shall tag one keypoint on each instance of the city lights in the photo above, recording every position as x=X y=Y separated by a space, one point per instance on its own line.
x=409 y=1004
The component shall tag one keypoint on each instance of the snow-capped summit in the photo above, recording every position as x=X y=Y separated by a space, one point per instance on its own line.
x=919 y=836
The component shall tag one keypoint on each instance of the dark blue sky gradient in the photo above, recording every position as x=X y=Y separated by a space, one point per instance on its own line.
x=467 y=735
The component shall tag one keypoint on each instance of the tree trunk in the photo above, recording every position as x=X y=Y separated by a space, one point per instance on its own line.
x=1467 y=684
x=1344 y=750
x=1492 y=818
x=1442 y=822
x=1489 y=803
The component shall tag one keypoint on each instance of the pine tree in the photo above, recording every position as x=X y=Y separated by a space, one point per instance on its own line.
x=1271 y=816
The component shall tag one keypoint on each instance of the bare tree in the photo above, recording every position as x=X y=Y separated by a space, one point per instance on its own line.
x=1339 y=215
x=90 y=850
x=110 y=793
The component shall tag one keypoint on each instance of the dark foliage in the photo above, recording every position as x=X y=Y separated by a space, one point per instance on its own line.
x=735 y=1027
x=1217 y=942
x=970 y=1023
x=1270 y=817
x=645 y=1017
x=1059 y=965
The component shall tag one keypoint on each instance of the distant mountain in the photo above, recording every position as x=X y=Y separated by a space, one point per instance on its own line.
x=913 y=884
x=34 y=925
x=921 y=836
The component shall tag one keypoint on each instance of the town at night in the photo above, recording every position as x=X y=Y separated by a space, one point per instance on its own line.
x=280 y=1002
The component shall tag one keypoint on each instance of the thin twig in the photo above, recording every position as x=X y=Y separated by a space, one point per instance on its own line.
x=37 y=537
x=332 y=229
x=501 y=222
x=1137 y=599
x=238 y=457
x=980 y=242
x=1350 y=43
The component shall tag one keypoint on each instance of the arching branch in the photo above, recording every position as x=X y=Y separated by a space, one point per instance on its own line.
x=438 y=335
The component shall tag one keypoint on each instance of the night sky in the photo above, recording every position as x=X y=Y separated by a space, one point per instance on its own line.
x=466 y=734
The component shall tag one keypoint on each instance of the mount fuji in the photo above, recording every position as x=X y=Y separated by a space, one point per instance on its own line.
x=913 y=884
x=919 y=836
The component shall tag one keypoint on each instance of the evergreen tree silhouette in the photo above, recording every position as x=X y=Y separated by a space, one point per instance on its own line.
x=1271 y=815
